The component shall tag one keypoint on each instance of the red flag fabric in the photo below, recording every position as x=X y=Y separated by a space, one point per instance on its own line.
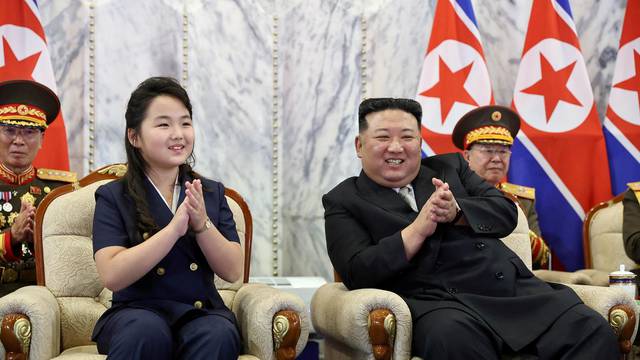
x=454 y=76
x=560 y=148
x=622 y=121
x=24 y=56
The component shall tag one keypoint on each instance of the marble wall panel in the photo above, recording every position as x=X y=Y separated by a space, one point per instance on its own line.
x=230 y=83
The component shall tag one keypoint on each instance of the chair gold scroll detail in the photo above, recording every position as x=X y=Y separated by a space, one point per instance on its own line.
x=55 y=319
x=376 y=324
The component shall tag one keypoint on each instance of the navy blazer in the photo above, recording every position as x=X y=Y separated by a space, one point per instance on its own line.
x=463 y=267
x=182 y=282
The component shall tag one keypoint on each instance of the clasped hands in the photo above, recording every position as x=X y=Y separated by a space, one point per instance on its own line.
x=23 y=226
x=192 y=213
x=439 y=208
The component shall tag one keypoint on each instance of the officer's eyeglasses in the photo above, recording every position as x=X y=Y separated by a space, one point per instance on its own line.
x=12 y=132
x=491 y=152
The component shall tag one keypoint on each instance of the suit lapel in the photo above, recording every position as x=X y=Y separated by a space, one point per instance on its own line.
x=383 y=197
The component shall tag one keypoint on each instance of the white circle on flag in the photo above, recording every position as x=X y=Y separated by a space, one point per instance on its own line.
x=623 y=102
x=566 y=116
x=456 y=55
x=24 y=42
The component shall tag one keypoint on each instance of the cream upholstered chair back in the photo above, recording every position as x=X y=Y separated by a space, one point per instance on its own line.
x=602 y=237
x=518 y=241
x=65 y=254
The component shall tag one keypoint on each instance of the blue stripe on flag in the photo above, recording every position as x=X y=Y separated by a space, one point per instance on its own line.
x=565 y=5
x=560 y=225
x=467 y=7
x=623 y=166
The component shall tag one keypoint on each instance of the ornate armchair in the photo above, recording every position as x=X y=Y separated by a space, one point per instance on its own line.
x=602 y=241
x=55 y=319
x=376 y=324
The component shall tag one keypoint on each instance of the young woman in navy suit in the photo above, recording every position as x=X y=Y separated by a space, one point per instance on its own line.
x=159 y=235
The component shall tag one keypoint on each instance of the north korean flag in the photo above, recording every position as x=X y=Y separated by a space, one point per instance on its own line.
x=560 y=149
x=454 y=76
x=622 y=121
x=24 y=56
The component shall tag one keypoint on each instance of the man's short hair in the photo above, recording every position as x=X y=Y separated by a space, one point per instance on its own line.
x=372 y=105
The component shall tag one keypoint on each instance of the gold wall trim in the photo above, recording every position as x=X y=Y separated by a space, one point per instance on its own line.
x=275 y=132
x=92 y=84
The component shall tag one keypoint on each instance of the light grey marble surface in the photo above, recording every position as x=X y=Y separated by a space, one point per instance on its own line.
x=319 y=81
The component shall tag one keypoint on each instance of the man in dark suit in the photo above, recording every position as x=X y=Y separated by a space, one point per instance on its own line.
x=429 y=231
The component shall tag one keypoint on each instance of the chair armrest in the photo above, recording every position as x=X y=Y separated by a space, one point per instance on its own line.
x=615 y=305
x=358 y=319
x=598 y=277
x=38 y=325
x=563 y=277
x=274 y=324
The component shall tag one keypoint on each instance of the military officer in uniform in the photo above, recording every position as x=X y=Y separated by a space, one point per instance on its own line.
x=631 y=223
x=26 y=109
x=486 y=135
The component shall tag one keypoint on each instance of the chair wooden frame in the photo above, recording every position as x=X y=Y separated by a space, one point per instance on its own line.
x=586 y=227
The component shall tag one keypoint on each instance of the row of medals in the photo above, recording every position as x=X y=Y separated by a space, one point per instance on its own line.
x=8 y=208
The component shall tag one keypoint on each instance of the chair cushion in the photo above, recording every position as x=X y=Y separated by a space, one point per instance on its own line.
x=66 y=233
x=605 y=235
x=518 y=241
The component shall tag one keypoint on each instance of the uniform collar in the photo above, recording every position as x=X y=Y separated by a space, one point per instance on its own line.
x=12 y=178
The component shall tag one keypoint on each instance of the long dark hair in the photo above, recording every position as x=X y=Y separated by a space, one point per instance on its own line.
x=137 y=167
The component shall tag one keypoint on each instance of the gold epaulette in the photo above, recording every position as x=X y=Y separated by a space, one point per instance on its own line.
x=635 y=186
x=57 y=175
x=519 y=190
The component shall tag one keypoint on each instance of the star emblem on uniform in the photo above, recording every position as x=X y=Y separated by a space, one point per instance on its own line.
x=553 y=86
x=632 y=83
x=17 y=69
x=450 y=88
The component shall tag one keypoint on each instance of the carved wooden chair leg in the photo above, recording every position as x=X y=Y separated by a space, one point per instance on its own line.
x=382 y=333
x=15 y=334
x=286 y=332
x=623 y=321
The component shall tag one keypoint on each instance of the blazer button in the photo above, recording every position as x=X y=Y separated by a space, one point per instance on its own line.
x=145 y=236
x=197 y=304
x=160 y=271
x=452 y=290
x=193 y=266
x=480 y=245
x=499 y=275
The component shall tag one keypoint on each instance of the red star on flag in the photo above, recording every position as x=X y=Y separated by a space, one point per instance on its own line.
x=17 y=69
x=450 y=88
x=632 y=83
x=553 y=86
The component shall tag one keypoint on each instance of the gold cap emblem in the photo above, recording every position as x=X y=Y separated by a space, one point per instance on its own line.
x=496 y=116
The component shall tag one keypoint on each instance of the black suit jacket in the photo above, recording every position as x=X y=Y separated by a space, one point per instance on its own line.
x=464 y=267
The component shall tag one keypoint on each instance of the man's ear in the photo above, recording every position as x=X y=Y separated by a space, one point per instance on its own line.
x=358 y=144
x=132 y=136
x=465 y=155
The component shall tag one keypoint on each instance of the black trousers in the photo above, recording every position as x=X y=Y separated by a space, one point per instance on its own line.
x=580 y=333
x=136 y=333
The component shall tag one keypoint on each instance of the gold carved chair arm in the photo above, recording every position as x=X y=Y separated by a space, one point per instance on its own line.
x=364 y=323
x=275 y=322
x=30 y=324
x=615 y=305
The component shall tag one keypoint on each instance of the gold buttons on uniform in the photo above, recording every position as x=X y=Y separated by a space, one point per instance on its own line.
x=193 y=266
x=160 y=271
x=198 y=304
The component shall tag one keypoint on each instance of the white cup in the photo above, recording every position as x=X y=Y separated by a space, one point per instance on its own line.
x=625 y=280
